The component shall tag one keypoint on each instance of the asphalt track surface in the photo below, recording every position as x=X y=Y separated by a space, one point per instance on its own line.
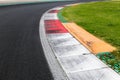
x=21 y=53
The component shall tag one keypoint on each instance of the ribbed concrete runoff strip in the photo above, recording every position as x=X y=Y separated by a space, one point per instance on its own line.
x=68 y=59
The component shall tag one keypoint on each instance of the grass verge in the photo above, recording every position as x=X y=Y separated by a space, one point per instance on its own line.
x=102 y=19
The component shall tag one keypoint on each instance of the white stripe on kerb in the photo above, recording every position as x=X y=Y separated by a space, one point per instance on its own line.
x=70 y=50
x=81 y=63
x=58 y=36
x=63 y=42
x=51 y=16
x=99 y=74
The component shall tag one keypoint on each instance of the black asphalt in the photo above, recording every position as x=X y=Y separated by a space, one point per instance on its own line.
x=21 y=53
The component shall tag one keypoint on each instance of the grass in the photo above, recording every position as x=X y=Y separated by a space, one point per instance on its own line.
x=102 y=19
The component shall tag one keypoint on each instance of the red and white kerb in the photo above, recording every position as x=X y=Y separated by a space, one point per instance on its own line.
x=77 y=62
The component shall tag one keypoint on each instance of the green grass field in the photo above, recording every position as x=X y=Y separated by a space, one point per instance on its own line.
x=102 y=19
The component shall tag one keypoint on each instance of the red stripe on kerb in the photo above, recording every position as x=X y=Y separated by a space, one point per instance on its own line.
x=54 y=26
x=53 y=11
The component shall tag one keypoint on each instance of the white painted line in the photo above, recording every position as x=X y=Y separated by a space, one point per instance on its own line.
x=81 y=63
x=51 y=16
x=98 y=74
x=63 y=42
x=70 y=50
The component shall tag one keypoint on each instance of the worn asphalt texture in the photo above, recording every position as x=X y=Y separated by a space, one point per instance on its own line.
x=21 y=53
